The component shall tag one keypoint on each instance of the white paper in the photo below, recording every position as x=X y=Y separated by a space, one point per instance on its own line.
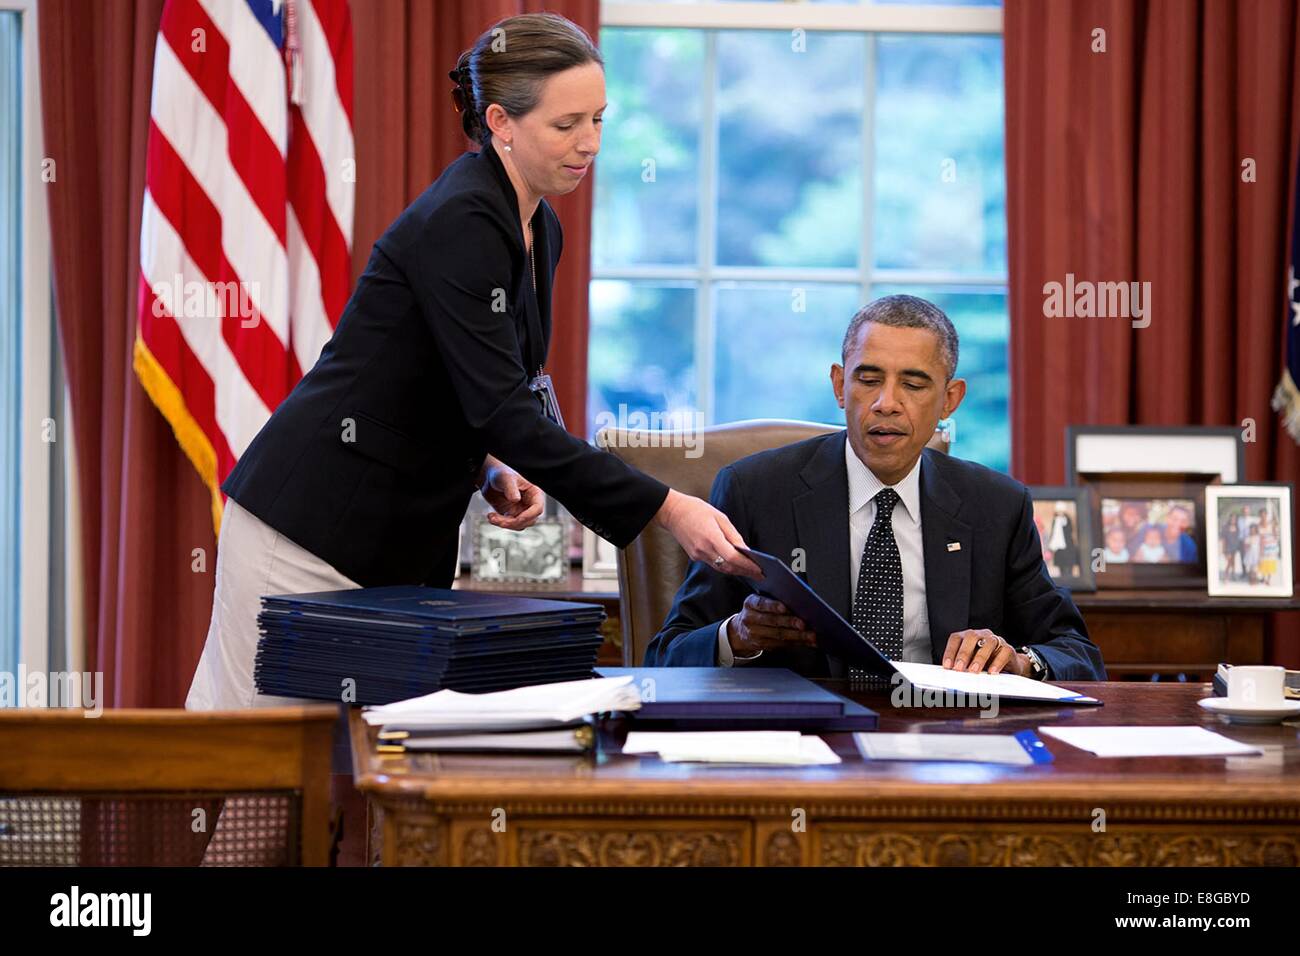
x=1001 y=685
x=975 y=748
x=1173 y=741
x=541 y=703
x=770 y=747
x=565 y=740
x=649 y=742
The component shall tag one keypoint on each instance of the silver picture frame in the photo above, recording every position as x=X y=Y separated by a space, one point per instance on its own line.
x=537 y=556
x=599 y=557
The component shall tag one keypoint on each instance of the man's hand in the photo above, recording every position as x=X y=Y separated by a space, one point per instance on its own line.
x=764 y=623
x=974 y=651
x=516 y=502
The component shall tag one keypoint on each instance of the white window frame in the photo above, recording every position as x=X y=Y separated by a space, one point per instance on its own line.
x=867 y=18
x=38 y=342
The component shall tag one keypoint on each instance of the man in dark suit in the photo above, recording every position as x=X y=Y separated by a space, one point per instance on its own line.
x=935 y=559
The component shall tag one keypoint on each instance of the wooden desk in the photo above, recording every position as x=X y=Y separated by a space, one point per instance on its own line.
x=611 y=809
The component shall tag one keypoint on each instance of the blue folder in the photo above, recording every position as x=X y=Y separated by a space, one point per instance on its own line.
x=752 y=698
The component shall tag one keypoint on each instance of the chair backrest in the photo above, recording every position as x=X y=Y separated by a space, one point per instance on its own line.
x=652 y=568
x=166 y=787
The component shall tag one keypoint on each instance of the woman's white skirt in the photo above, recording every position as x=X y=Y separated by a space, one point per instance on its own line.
x=253 y=559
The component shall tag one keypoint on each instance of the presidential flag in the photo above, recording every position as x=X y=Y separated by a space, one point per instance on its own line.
x=246 y=227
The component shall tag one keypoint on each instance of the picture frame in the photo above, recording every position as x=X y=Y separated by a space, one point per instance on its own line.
x=536 y=557
x=1151 y=529
x=1235 y=562
x=599 y=557
x=460 y=547
x=1073 y=536
x=1154 y=449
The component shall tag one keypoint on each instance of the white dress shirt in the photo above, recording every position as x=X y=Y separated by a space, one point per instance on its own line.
x=863 y=486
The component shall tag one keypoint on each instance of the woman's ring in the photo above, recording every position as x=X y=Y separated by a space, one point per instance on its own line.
x=719 y=560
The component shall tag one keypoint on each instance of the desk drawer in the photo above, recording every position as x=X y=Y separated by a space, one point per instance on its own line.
x=531 y=841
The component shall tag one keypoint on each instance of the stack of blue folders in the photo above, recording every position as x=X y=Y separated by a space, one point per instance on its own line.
x=379 y=645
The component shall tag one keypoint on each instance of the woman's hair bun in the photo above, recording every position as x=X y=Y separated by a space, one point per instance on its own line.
x=508 y=64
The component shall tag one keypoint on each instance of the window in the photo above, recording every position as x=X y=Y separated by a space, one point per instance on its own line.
x=759 y=181
x=34 y=438
x=10 y=335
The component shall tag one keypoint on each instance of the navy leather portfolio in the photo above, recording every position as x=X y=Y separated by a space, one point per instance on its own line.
x=725 y=698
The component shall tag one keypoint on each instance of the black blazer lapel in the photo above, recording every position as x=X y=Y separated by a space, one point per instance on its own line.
x=946 y=541
x=821 y=518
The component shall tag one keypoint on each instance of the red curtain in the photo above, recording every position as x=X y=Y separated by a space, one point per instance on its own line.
x=1167 y=157
x=146 y=523
x=143 y=511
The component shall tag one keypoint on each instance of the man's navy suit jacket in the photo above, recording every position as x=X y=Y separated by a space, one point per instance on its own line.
x=797 y=497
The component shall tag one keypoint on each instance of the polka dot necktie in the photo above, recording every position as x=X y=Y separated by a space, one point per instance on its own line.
x=878 y=603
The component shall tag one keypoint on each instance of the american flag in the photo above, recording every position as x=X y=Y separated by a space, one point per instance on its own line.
x=246 y=228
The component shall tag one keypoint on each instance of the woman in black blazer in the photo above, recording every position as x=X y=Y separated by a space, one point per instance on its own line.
x=432 y=384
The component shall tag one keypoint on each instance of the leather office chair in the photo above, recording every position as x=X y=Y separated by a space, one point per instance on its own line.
x=166 y=787
x=652 y=568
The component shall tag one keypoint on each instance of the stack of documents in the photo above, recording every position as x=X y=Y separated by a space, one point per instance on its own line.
x=547 y=717
x=787 y=748
x=377 y=645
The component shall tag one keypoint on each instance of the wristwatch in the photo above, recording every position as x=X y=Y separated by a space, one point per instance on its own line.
x=1037 y=669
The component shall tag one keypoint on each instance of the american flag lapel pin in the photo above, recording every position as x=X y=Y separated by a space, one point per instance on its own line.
x=954 y=545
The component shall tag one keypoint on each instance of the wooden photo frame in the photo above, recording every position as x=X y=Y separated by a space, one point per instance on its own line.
x=1248 y=537
x=1063 y=515
x=1151 y=529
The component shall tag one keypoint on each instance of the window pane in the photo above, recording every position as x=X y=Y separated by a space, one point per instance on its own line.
x=647 y=175
x=940 y=187
x=789 y=149
x=641 y=357
x=11 y=381
x=980 y=316
x=773 y=360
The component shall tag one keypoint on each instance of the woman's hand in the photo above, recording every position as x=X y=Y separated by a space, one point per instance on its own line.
x=516 y=502
x=705 y=534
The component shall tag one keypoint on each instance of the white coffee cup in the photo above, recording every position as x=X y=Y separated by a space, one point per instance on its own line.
x=1256 y=686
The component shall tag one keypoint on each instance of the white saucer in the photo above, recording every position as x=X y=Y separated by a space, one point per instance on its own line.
x=1244 y=714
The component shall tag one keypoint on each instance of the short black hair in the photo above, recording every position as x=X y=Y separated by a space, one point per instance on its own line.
x=906 y=312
